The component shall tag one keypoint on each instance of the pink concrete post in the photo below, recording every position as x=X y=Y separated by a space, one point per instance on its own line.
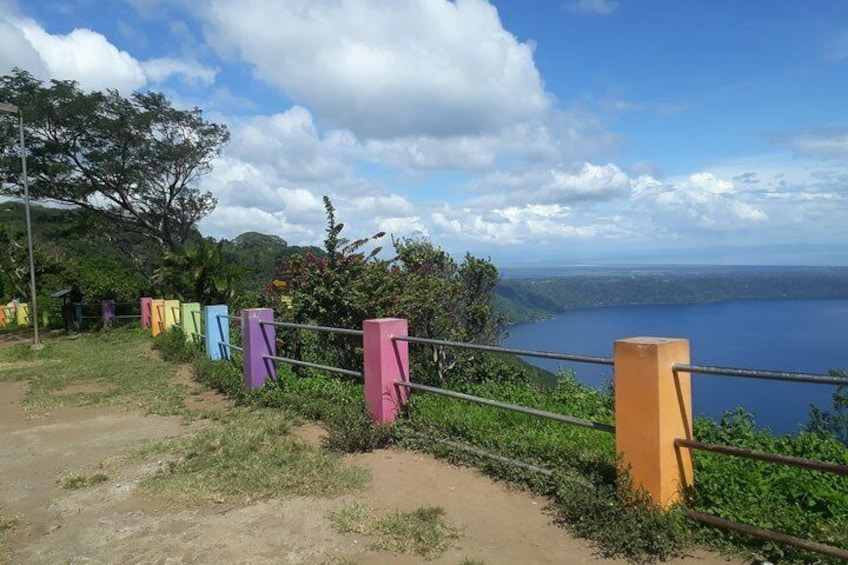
x=386 y=362
x=257 y=340
x=146 y=310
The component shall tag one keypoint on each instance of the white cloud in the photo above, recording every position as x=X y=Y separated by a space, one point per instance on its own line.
x=602 y=7
x=89 y=58
x=588 y=182
x=85 y=56
x=191 y=71
x=423 y=67
x=821 y=143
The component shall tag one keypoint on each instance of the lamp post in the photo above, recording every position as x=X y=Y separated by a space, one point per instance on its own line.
x=12 y=109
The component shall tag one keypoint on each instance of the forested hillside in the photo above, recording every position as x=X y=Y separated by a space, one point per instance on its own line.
x=538 y=298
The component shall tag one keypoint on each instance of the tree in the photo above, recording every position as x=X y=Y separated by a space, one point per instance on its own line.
x=347 y=285
x=199 y=273
x=132 y=161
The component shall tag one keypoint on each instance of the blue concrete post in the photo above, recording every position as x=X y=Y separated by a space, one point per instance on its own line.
x=217 y=331
x=258 y=340
x=107 y=307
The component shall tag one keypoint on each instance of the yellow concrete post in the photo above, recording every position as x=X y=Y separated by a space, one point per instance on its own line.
x=2 y=316
x=653 y=407
x=172 y=312
x=22 y=314
x=157 y=317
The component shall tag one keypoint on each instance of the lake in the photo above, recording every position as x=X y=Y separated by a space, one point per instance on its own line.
x=783 y=335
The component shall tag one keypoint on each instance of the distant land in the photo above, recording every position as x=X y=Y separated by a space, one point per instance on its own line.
x=527 y=294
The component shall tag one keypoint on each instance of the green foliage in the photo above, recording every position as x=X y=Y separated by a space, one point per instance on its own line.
x=72 y=482
x=799 y=502
x=252 y=456
x=835 y=422
x=132 y=161
x=174 y=347
x=423 y=531
x=440 y=298
x=621 y=521
x=199 y=273
x=351 y=430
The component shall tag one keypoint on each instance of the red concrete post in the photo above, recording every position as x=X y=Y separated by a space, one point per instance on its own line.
x=386 y=362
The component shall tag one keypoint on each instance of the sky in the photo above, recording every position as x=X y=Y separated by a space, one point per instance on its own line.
x=533 y=132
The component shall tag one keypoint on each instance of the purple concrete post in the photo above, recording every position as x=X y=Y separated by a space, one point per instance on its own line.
x=108 y=309
x=146 y=311
x=257 y=340
x=386 y=361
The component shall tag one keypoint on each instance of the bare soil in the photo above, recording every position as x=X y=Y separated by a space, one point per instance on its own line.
x=113 y=522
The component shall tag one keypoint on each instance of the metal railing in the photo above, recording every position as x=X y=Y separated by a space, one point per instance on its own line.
x=591 y=359
x=811 y=464
x=325 y=329
x=562 y=418
x=299 y=363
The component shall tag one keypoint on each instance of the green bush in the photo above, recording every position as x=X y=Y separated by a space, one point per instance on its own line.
x=174 y=347
x=799 y=502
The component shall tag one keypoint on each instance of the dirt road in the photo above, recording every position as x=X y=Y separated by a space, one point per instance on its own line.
x=112 y=522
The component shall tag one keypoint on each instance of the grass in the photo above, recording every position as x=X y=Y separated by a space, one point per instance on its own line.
x=423 y=531
x=7 y=524
x=111 y=368
x=251 y=455
x=78 y=481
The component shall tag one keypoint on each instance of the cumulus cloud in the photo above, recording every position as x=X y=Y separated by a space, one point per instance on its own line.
x=703 y=198
x=821 y=143
x=423 y=67
x=189 y=70
x=587 y=7
x=88 y=57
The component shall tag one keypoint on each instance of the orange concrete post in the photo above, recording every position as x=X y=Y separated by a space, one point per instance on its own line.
x=157 y=316
x=653 y=407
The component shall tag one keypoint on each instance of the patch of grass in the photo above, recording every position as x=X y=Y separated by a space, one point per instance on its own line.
x=251 y=455
x=7 y=524
x=78 y=481
x=423 y=531
x=114 y=366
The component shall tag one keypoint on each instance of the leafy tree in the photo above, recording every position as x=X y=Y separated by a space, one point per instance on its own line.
x=347 y=285
x=132 y=161
x=199 y=273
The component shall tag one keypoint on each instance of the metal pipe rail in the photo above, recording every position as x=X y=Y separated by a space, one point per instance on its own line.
x=219 y=316
x=512 y=407
x=822 y=466
x=326 y=329
x=126 y=316
x=314 y=365
x=495 y=349
x=824 y=549
x=758 y=374
x=236 y=347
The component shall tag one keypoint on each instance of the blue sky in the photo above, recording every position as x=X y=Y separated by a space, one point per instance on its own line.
x=588 y=131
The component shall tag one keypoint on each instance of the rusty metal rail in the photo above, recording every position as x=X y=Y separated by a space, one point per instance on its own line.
x=770 y=535
x=822 y=466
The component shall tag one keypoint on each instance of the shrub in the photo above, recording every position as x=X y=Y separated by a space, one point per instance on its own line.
x=174 y=347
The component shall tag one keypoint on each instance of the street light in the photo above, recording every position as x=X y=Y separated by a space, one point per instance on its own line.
x=12 y=109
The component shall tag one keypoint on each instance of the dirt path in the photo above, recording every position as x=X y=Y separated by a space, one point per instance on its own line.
x=113 y=523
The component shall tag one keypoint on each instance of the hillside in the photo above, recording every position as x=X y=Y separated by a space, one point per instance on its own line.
x=528 y=299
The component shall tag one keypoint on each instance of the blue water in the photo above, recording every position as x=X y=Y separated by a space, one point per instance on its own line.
x=783 y=335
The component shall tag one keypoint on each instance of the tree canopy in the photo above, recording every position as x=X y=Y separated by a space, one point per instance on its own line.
x=134 y=162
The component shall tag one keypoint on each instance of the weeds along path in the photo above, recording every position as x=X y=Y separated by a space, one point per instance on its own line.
x=97 y=468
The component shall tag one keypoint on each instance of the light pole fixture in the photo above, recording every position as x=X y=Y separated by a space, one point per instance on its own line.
x=12 y=109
